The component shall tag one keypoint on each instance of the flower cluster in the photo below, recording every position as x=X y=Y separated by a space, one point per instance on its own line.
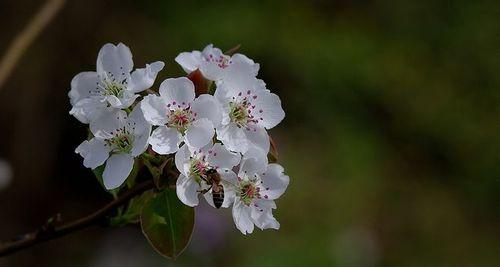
x=218 y=138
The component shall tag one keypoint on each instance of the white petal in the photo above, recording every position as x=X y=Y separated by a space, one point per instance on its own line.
x=199 y=133
x=229 y=177
x=241 y=217
x=142 y=79
x=155 y=110
x=262 y=215
x=213 y=63
x=267 y=111
x=206 y=106
x=274 y=181
x=177 y=92
x=116 y=60
x=254 y=161
x=82 y=85
x=117 y=169
x=258 y=137
x=187 y=190
x=220 y=157
x=240 y=76
x=182 y=158
x=233 y=137
x=141 y=130
x=107 y=123
x=124 y=101
x=240 y=58
x=87 y=109
x=165 y=140
x=136 y=123
x=189 y=61
x=94 y=152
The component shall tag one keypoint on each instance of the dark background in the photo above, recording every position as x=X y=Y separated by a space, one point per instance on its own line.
x=391 y=137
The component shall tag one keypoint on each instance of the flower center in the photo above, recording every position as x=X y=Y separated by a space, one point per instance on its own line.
x=248 y=191
x=180 y=119
x=112 y=88
x=121 y=142
x=197 y=168
x=239 y=113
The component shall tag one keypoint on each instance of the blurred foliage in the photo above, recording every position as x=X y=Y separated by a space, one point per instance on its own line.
x=391 y=135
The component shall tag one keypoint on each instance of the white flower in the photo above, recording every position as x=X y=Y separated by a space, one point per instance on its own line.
x=112 y=85
x=211 y=62
x=193 y=165
x=180 y=116
x=257 y=186
x=248 y=109
x=118 y=138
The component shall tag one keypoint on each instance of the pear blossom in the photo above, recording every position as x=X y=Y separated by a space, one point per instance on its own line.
x=180 y=116
x=118 y=138
x=211 y=62
x=248 y=109
x=193 y=165
x=113 y=85
x=255 y=188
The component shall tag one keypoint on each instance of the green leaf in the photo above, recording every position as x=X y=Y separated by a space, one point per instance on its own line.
x=167 y=223
x=133 y=211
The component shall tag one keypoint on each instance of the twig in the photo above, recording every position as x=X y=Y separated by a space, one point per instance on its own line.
x=16 y=49
x=233 y=50
x=49 y=231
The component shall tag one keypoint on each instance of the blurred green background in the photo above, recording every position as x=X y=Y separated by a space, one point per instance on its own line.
x=391 y=137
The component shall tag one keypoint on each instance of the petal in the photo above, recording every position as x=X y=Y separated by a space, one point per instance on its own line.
x=187 y=190
x=122 y=102
x=258 y=136
x=82 y=86
x=233 y=138
x=87 y=109
x=241 y=217
x=182 y=158
x=242 y=59
x=220 y=157
x=189 y=61
x=213 y=63
x=254 y=161
x=177 y=92
x=117 y=169
x=262 y=215
x=142 y=79
x=136 y=123
x=274 y=181
x=115 y=60
x=155 y=110
x=230 y=182
x=94 y=152
x=267 y=111
x=107 y=123
x=165 y=140
x=199 y=133
x=206 y=106
x=240 y=76
x=229 y=177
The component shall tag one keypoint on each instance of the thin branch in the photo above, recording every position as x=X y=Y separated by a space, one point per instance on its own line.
x=23 y=40
x=49 y=231
x=233 y=50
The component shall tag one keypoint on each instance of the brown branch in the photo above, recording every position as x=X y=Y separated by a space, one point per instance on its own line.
x=23 y=40
x=49 y=231
x=233 y=50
